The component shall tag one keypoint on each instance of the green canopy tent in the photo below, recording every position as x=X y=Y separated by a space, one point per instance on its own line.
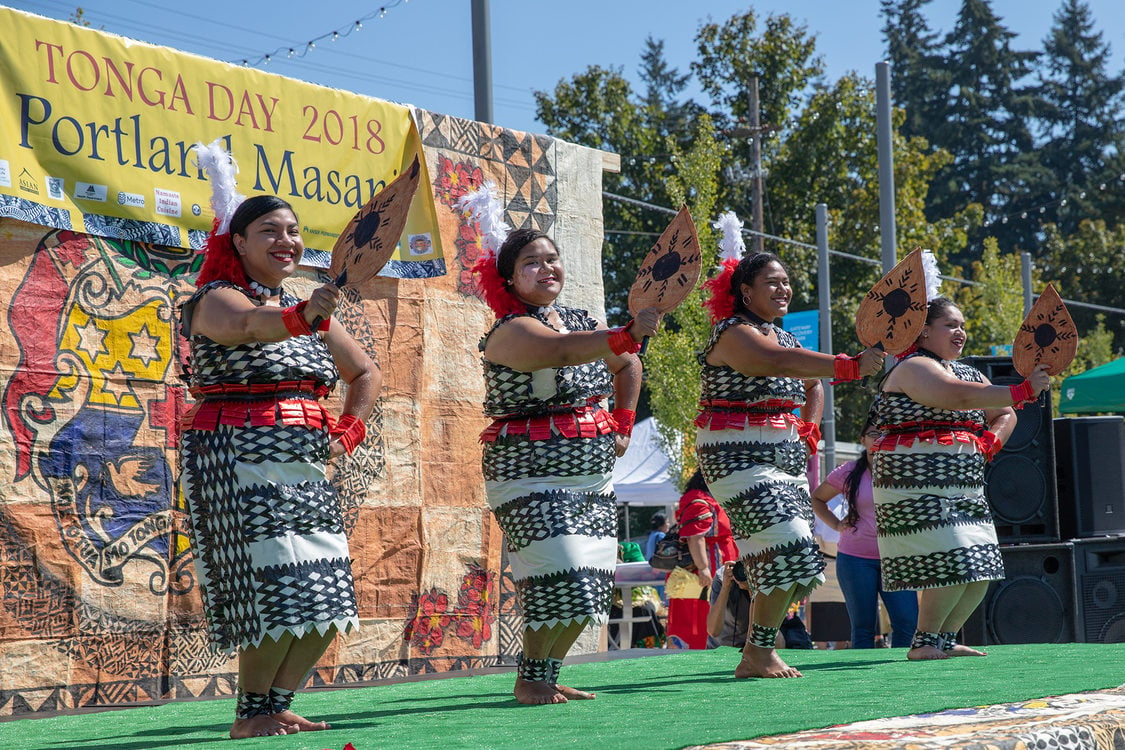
x=1100 y=390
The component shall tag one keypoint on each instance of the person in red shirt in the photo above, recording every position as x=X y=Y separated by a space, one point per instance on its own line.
x=705 y=527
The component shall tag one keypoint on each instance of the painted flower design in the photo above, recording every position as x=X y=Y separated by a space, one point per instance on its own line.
x=455 y=179
x=427 y=629
x=474 y=606
x=469 y=249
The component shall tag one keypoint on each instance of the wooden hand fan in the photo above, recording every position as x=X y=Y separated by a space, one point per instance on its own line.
x=370 y=238
x=892 y=314
x=670 y=270
x=1047 y=336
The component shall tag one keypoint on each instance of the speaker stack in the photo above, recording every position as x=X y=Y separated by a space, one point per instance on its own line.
x=1057 y=494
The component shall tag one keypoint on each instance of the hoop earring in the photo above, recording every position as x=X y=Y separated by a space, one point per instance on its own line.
x=746 y=302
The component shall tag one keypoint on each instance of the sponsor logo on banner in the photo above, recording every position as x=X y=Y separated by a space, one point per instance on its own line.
x=55 y=188
x=88 y=191
x=167 y=202
x=5 y=173
x=28 y=184
x=131 y=199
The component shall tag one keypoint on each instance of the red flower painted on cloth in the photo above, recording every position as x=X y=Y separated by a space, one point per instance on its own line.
x=454 y=180
x=430 y=621
x=469 y=249
x=473 y=606
x=72 y=247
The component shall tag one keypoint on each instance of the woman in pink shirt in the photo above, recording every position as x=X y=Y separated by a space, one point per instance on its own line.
x=857 y=553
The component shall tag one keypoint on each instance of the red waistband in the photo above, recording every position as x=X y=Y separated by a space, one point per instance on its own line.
x=722 y=419
x=306 y=410
x=938 y=435
x=585 y=421
x=311 y=387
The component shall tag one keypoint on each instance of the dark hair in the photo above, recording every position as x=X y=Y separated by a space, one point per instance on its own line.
x=658 y=520
x=510 y=250
x=937 y=307
x=746 y=271
x=254 y=208
x=697 y=482
x=852 y=480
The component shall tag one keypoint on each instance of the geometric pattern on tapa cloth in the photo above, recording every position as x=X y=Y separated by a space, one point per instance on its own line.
x=798 y=561
x=295 y=358
x=514 y=457
x=726 y=383
x=901 y=470
x=528 y=160
x=720 y=460
x=925 y=512
x=509 y=392
x=313 y=591
x=543 y=515
x=577 y=594
x=766 y=504
x=891 y=409
x=980 y=562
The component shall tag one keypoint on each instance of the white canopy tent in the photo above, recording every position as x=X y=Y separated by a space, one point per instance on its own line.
x=641 y=476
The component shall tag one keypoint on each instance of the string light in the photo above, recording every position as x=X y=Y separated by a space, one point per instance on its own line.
x=333 y=35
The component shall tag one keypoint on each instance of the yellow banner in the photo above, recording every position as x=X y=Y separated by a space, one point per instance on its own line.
x=96 y=133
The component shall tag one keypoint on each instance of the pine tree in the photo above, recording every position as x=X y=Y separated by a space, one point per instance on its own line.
x=1079 y=112
x=919 y=77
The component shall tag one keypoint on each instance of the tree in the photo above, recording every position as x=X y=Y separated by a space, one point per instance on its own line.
x=1079 y=118
x=985 y=127
x=919 y=79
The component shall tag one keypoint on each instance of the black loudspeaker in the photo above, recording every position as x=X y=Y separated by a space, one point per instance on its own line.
x=1090 y=464
x=1100 y=567
x=1035 y=603
x=1020 y=481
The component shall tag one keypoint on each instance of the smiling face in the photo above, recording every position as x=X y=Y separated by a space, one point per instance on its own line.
x=945 y=335
x=769 y=294
x=271 y=248
x=538 y=275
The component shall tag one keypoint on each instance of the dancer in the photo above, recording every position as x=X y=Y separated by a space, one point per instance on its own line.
x=752 y=448
x=857 y=553
x=549 y=453
x=267 y=532
x=941 y=422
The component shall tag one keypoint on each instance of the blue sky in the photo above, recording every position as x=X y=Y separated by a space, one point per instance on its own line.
x=419 y=51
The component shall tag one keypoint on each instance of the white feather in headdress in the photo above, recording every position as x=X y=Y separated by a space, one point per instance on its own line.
x=487 y=210
x=933 y=275
x=731 y=245
x=221 y=168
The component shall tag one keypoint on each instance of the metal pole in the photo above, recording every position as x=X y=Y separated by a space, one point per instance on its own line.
x=828 y=421
x=1025 y=274
x=482 y=62
x=885 y=139
x=757 y=222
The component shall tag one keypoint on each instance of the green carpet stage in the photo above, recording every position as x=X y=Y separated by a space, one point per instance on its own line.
x=1020 y=696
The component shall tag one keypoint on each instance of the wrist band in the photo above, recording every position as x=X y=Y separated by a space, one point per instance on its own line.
x=990 y=445
x=845 y=368
x=1022 y=393
x=625 y=419
x=620 y=342
x=351 y=431
x=295 y=321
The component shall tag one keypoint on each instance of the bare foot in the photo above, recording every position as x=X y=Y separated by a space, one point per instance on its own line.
x=296 y=720
x=763 y=662
x=260 y=726
x=926 y=653
x=536 y=693
x=574 y=694
x=962 y=650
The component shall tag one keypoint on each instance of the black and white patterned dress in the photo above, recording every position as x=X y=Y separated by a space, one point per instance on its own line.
x=267 y=532
x=754 y=457
x=548 y=459
x=927 y=471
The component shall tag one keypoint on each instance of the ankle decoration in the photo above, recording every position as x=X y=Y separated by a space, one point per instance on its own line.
x=250 y=705
x=555 y=667
x=948 y=640
x=922 y=638
x=280 y=698
x=534 y=670
x=762 y=637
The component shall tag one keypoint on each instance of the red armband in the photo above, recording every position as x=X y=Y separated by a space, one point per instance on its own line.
x=350 y=430
x=1022 y=393
x=295 y=321
x=810 y=431
x=625 y=419
x=845 y=368
x=990 y=445
x=620 y=342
